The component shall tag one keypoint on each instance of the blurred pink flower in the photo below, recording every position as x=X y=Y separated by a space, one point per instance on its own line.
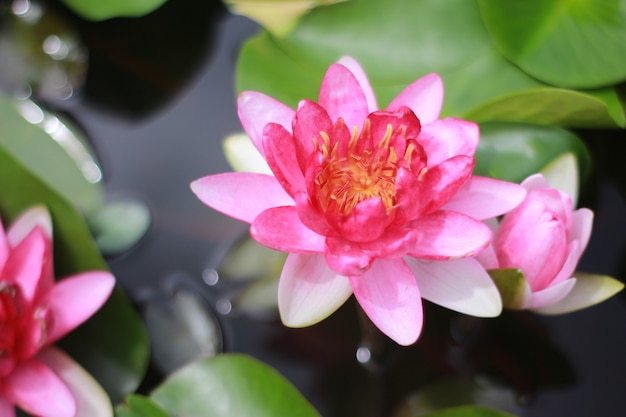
x=369 y=202
x=34 y=313
x=544 y=238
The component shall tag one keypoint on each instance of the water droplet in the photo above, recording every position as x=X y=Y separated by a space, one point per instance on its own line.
x=210 y=276
x=223 y=306
x=363 y=354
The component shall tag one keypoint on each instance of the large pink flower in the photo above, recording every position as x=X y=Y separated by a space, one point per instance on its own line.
x=34 y=313
x=544 y=239
x=367 y=202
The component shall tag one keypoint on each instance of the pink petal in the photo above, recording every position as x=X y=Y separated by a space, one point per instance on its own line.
x=569 y=266
x=356 y=69
x=91 y=399
x=279 y=151
x=39 y=391
x=484 y=198
x=389 y=295
x=443 y=139
x=342 y=96
x=449 y=235
x=582 y=223
x=311 y=217
x=345 y=257
x=4 y=249
x=22 y=226
x=7 y=409
x=310 y=120
x=552 y=294
x=309 y=291
x=366 y=222
x=73 y=300
x=256 y=110
x=487 y=258
x=26 y=262
x=241 y=195
x=394 y=243
x=462 y=285
x=441 y=182
x=280 y=228
x=424 y=96
x=535 y=182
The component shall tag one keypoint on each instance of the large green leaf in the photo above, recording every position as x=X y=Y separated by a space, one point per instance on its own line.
x=112 y=345
x=53 y=149
x=577 y=44
x=230 y=386
x=513 y=151
x=139 y=406
x=101 y=10
x=447 y=37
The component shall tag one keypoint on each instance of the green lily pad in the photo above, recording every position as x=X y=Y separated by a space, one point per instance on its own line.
x=576 y=44
x=139 y=406
x=513 y=151
x=112 y=345
x=427 y=36
x=101 y=10
x=53 y=149
x=230 y=385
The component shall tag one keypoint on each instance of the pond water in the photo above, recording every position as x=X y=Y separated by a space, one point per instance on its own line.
x=158 y=101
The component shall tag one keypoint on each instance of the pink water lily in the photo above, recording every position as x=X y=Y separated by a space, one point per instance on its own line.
x=381 y=204
x=544 y=239
x=35 y=312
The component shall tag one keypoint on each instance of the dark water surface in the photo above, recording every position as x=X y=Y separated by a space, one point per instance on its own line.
x=158 y=101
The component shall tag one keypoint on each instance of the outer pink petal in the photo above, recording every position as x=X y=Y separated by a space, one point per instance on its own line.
x=534 y=182
x=424 y=96
x=280 y=228
x=356 y=69
x=389 y=295
x=449 y=235
x=91 y=399
x=256 y=110
x=309 y=291
x=582 y=223
x=39 y=391
x=241 y=195
x=484 y=198
x=552 y=294
x=487 y=258
x=462 y=285
x=7 y=409
x=26 y=263
x=446 y=138
x=569 y=265
x=342 y=96
x=75 y=299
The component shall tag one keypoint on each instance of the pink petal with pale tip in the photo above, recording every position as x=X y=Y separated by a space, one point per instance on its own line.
x=551 y=295
x=91 y=399
x=256 y=110
x=582 y=223
x=309 y=291
x=279 y=152
x=356 y=69
x=462 y=285
x=449 y=235
x=342 y=96
x=534 y=182
x=443 y=139
x=73 y=300
x=424 y=96
x=25 y=264
x=22 y=226
x=390 y=297
x=7 y=409
x=280 y=228
x=484 y=198
x=241 y=195
x=36 y=389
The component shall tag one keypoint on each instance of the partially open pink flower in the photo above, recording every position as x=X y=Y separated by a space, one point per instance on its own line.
x=35 y=311
x=366 y=201
x=544 y=239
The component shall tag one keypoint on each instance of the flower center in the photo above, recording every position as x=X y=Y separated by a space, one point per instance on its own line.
x=354 y=173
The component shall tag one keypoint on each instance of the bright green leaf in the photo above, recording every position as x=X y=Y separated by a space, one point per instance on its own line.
x=101 y=10
x=447 y=37
x=112 y=345
x=513 y=151
x=52 y=149
x=512 y=286
x=139 y=406
x=576 y=44
x=230 y=386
